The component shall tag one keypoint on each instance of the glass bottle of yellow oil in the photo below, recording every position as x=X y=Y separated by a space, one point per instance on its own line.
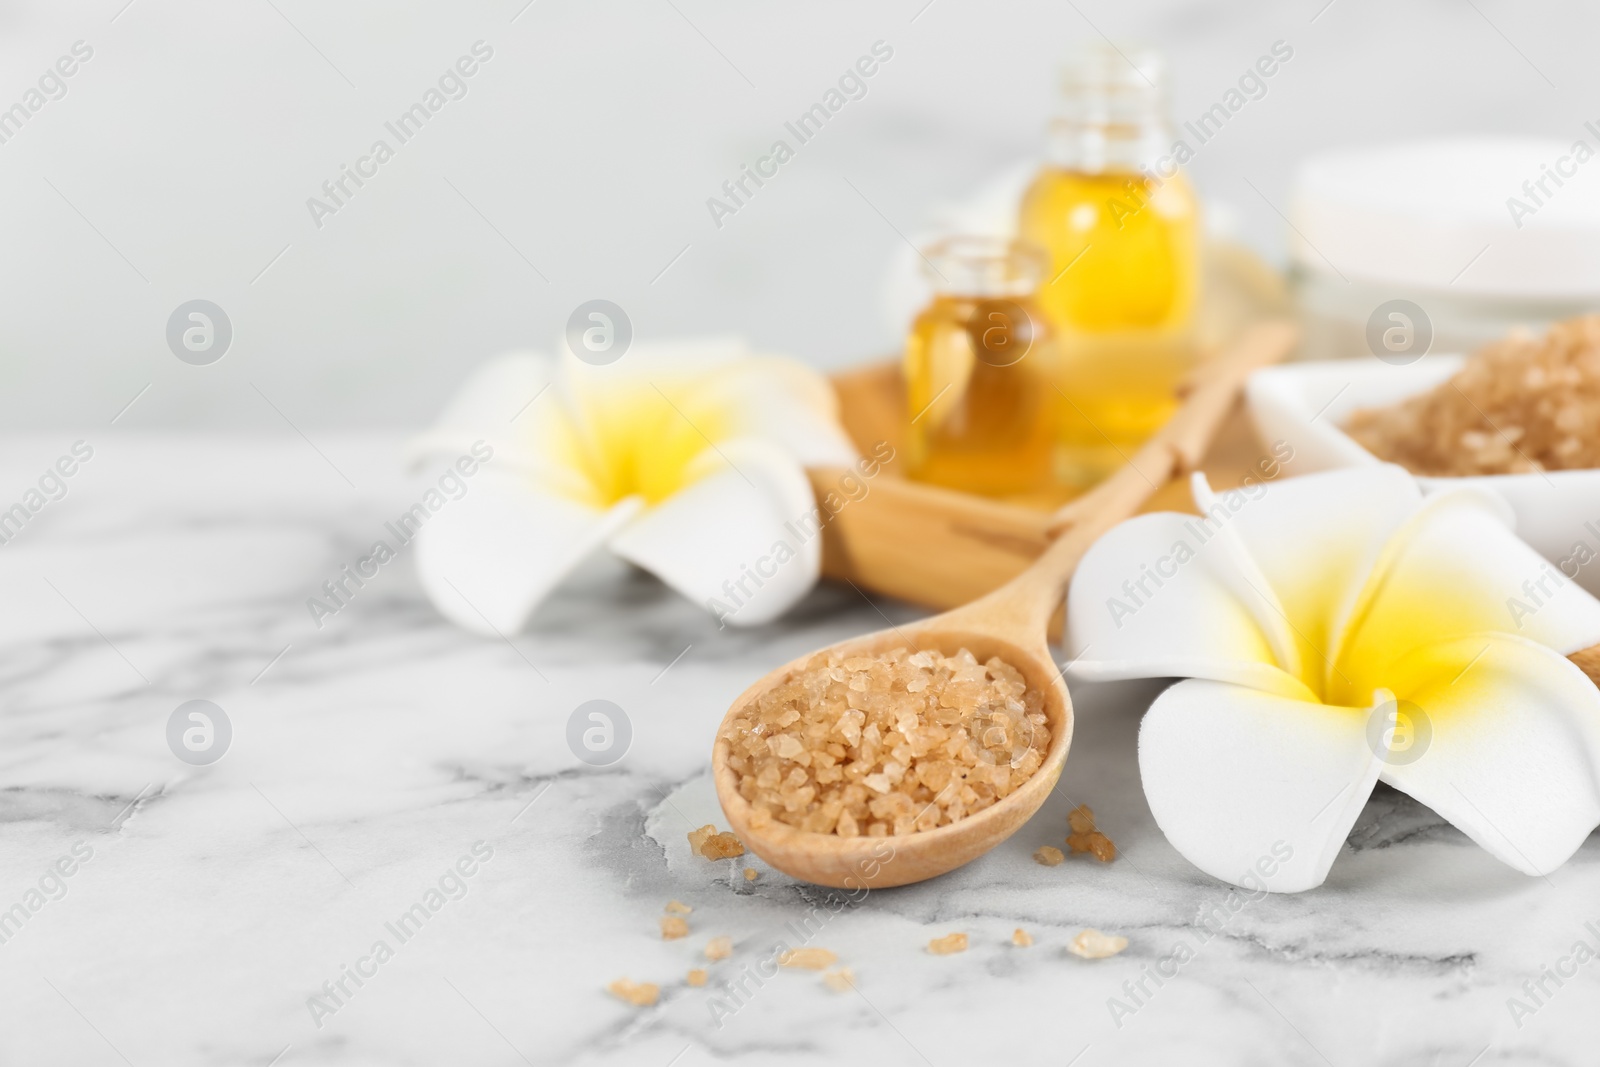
x=980 y=366
x=1121 y=225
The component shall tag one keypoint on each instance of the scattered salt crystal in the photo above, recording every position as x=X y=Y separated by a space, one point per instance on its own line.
x=719 y=948
x=812 y=959
x=677 y=907
x=673 y=927
x=841 y=981
x=1095 y=843
x=639 y=994
x=950 y=943
x=707 y=842
x=1048 y=855
x=750 y=874
x=697 y=976
x=1093 y=945
x=1021 y=938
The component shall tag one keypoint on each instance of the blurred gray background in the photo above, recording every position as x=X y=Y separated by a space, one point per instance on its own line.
x=178 y=164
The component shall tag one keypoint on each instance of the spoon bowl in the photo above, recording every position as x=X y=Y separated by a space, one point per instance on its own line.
x=1012 y=623
x=879 y=862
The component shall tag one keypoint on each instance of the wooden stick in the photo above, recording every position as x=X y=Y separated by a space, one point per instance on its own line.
x=1588 y=661
x=1177 y=448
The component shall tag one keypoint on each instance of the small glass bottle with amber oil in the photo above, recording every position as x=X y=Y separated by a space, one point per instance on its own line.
x=1121 y=225
x=980 y=365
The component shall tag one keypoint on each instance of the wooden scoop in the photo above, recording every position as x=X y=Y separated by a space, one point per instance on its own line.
x=1011 y=623
x=1588 y=661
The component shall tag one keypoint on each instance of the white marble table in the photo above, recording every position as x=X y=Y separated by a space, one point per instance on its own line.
x=376 y=753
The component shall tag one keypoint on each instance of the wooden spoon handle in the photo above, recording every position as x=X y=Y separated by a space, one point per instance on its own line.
x=1178 y=447
x=1026 y=603
x=1174 y=451
x=1588 y=661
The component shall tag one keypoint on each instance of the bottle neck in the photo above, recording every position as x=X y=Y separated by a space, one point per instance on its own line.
x=1089 y=147
x=982 y=267
x=1113 y=112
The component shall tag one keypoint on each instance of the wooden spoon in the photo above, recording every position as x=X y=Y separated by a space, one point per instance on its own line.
x=1011 y=623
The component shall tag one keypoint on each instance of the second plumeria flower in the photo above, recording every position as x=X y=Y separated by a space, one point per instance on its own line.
x=1337 y=630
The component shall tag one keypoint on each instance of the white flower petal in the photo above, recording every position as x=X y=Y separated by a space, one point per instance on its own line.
x=1252 y=788
x=1510 y=746
x=716 y=386
x=785 y=402
x=1244 y=575
x=516 y=405
x=741 y=541
x=1315 y=540
x=488 y=559
x=1457 y=568
x=1157 y=597
x=493 y=395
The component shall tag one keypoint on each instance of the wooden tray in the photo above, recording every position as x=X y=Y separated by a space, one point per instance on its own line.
x=941 y=548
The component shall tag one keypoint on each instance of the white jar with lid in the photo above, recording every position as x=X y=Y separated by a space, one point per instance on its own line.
x=1482 y=234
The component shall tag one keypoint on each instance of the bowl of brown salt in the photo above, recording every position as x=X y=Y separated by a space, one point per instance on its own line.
x=1520 y=418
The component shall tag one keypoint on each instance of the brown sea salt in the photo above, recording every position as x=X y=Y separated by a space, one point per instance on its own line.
x=1021 y=938
x=948 y=944
x=707 y=842
x=1091 y=944
x=1523 y=403
x=697 y=976
x=1048 y=855
x=812 y=959
x=751 y=874
x=1085 y=838
x=639 y=994
x=677 y=907
x=896 y=743
x=841 y=981
x=673 y=927
x=1095 y=843
x=719 y=948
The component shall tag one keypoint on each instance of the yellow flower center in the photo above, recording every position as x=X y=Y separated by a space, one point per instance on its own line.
x=635 y=440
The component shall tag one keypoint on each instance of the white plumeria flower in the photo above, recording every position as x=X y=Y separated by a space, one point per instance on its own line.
x=686 y=459
x=1300 y=613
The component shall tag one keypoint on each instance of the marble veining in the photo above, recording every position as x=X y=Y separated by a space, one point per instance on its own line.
x=371 y=755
